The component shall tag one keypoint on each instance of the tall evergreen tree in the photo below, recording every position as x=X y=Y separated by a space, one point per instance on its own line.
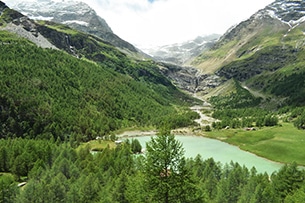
x=4 y=164
x=287 y=180
x=136 y=146
x=167 y=179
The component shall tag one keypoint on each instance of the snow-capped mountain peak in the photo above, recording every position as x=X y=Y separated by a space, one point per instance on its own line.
x=181 y=53
x=75 y=14
x=290 y=12
x=64 y=10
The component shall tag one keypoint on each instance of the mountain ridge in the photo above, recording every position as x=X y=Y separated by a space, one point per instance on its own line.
x=274 y=14
x=77 y=15
x=182 y=53
x=263 y=51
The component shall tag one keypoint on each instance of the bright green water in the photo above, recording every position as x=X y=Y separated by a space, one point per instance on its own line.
x=220 y=151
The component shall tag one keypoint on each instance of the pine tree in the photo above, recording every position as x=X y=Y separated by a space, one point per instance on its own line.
x=136 y=146
x=4 y=163
x=167 y=179
x=287 y=180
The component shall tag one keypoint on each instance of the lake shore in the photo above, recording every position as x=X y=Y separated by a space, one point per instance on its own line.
x=189 y=132
x=211 y=148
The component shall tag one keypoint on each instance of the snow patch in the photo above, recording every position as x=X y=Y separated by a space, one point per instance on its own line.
x=283 y=10
x=40 y=18
x=77 y=22
x=297 y=22
x=272 y=14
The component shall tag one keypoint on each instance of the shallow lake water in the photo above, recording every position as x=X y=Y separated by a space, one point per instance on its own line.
x=220 y=151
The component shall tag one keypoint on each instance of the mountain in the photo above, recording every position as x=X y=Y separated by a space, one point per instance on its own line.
x=181 y=53
x=265 y=52
x=62 y=83
x=77 y=15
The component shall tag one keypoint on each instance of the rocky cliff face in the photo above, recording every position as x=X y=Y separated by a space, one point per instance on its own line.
x=291 y=12
x=172 y=61
x=189 y=79
x=2 y=7
x=77 y=15
x=21 y=25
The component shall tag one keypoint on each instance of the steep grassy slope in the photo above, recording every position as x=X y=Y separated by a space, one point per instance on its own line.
x=241 y=42
x=265 y=54
x=276 y=69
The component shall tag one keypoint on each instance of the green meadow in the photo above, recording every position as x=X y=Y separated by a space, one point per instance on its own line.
x=97 y=145
x=283 y=143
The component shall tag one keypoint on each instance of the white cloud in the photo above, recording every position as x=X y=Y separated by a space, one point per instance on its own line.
x=168 y=21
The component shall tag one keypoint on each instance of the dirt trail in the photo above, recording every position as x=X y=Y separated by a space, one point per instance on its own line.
x=136 y=133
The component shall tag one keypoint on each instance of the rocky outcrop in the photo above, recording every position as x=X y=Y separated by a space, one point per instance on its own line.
x=24 y=27
x=291 y=12
x=2 y=7
x=188 y=78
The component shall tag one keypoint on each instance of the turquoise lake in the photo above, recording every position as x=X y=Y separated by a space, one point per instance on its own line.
x=220 y=152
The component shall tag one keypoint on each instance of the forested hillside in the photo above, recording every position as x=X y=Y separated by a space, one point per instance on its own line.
x=47 y=93
x=56 y=172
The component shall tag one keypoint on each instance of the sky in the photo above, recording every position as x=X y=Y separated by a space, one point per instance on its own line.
x=150 y=23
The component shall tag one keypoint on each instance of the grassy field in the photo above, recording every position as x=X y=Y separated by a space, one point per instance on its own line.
x=284 y=143
x=98 y=145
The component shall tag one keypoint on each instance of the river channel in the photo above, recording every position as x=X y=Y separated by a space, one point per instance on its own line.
x=220 y=152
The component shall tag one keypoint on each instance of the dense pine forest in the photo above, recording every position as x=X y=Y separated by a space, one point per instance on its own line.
x=47 y=93
x=57 y=172
x=241 y=109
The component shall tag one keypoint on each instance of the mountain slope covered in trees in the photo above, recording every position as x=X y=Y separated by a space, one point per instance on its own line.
x=90 y=92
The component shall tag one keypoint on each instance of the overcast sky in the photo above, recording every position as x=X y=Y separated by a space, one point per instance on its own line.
x=158 y=22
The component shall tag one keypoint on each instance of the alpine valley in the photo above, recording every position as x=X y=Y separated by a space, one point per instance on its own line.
x=70 y=87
